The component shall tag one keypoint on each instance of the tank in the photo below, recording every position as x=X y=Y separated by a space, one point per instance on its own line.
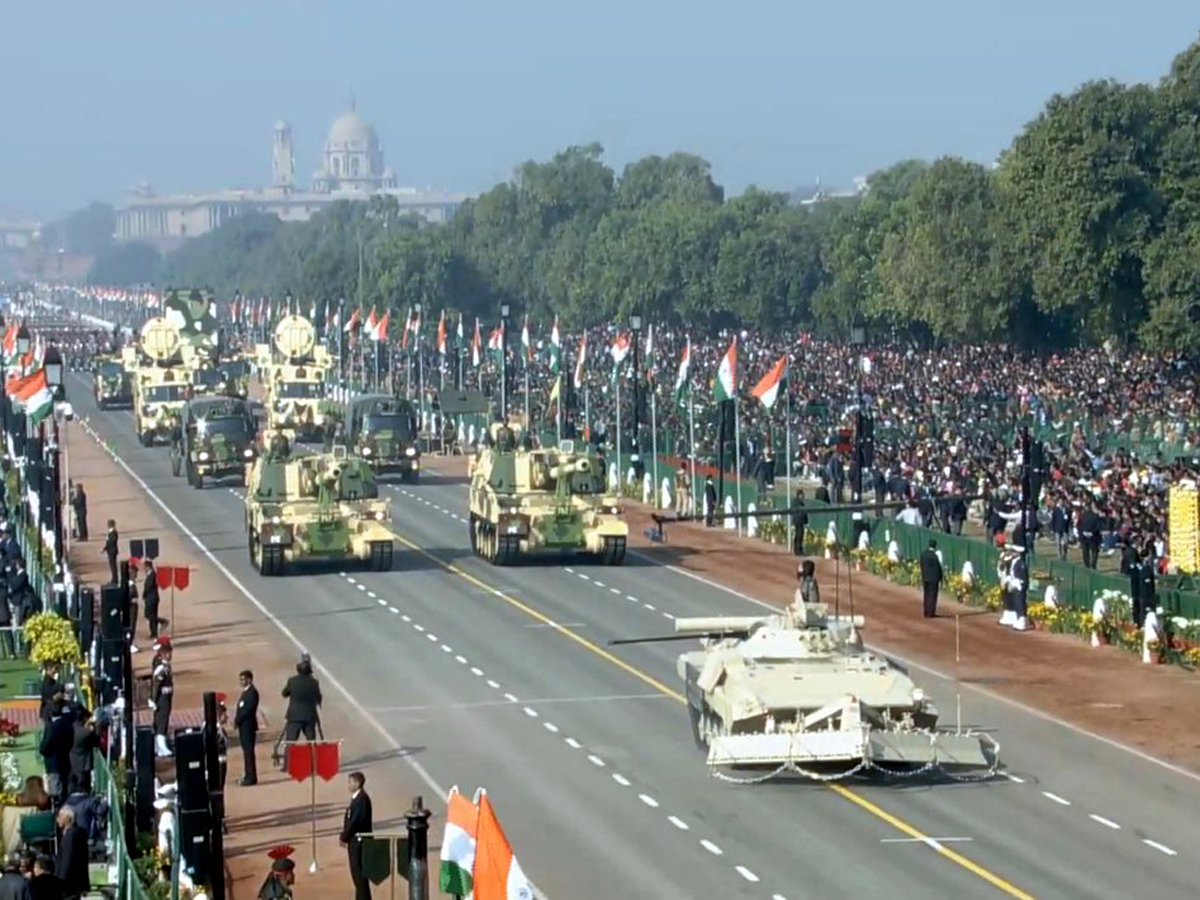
x=315 y=506
x=214 y=440
x=295 y=370
x=797 y=691
x=526 y=501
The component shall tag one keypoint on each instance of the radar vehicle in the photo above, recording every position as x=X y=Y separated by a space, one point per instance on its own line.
x=294 y=372
x=524 y=501
x=161 y=380
x=112 y=383
x=319 y=507
x=215 y=439
x=382 y=429
x=797 y=691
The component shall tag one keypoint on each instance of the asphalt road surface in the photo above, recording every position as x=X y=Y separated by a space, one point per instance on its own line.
x=503 y=677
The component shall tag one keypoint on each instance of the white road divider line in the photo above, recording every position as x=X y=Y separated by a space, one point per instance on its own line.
x=446 y=648
x=433 y=638
x=1161 y=848
x=461 y=660
x=495 y=685
x=620 y=779
x=747 y=874
x=510 y=698
x=393 y=609
x=532 y=713
x=381 y=602
x=406 y=617
x=595 y=760
x=572 y=743
x=1057 y=799
x=1015 y=778
x=678 y=823
x=551 y=727
x=615 y=590
x=418 y=626
x=711 y=847
x=648 y=800
x=478 y=673
x=1108 y=823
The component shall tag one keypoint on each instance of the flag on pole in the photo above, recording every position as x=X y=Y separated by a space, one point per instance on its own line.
x=369 y=328
x=581 y=362
x=458 y=845
x=32 y=395
x=10 y=345
x=620 y=349
x=767 y=390
x=498 y=875
x=441 y=334
x=526 y=344
x=681 y=377
x=555 y=347
x=355 y=317
x=650 y=364
x=725 y=387
x=379 y=332
x=458 y=343
x=496 y=340
x=476 y=347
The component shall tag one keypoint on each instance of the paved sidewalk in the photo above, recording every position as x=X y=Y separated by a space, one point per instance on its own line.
x=218 y=632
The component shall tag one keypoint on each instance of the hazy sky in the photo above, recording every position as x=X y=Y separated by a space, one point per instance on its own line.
x=95 y=97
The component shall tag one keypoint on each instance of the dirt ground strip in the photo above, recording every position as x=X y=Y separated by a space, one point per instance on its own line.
x=216 y=633
x=1104 y=690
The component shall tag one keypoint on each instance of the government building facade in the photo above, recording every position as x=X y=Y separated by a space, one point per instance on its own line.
x=352 y=168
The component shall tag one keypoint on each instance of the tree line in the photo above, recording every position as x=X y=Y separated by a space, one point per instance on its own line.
x=1087 y=229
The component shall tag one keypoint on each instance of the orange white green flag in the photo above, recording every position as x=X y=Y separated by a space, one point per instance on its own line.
x=767 y=390
x=458 y=845
x=32 y=395
x=498 y=875
x=725 y=386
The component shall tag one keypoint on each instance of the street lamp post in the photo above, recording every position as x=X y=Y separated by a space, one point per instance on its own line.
x=504 y=310
x=52 y=362
x=635 y=323
x=24 y=339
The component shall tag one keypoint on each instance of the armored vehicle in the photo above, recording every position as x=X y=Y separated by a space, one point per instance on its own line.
x=383 y=430
x=215 y=439
x=797 y=690
x=524 y=500
x=320 y=506
x=113 y=385
x=161 y=381
x=294 y=372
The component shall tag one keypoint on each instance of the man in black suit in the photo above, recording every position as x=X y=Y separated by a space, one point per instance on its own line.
x=71 y=865
x=303 y=693
x=112 y=549
x=931 y=578
x=55 y=748
x=1089 y=535
x=79 y=504
x=799 y=522
x=710 y=502
x=245 y=720
x=150 y=598
x=357 y=821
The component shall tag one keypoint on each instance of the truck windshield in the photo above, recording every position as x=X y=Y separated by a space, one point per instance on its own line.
x=111 y=370
x=299 y=390
x=398 y=424
x=233 y=427
x=163 y=393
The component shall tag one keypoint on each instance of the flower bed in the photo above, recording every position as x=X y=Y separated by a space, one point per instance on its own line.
x=52 y=640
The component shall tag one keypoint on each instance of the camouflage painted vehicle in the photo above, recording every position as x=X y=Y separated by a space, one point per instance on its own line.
x=295 y=369
x=215 y=439
x=192 y=313
x=320 y=507
x=230 y=378
x=525 y=501
x=161 y=381
x=112 y=383
x=797 y=691
x=382 y=429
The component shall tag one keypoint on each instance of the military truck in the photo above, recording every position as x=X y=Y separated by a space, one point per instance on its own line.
x=319 y=506
x=215 y=439
x=524 y=501
x=382 y=429
x=230 y=378
x=295 y=369
x=161 y=381
x=112 y=384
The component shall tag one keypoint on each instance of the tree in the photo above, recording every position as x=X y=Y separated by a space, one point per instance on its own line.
x=682 y=177
x=126 y=265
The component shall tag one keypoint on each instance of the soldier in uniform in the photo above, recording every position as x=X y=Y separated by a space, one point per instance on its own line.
x=162 y=689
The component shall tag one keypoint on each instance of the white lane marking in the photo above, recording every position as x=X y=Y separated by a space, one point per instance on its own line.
x=381 y=602
x=406 y=617
x=778 y=897
x=573 y=744
x=461 y=660
x=599 y=584
x=493 y=684
x=568 y=569
x=615 y=590
x=925 y=840
x=432 y=637
x=510 y=698
x=631 y=598
x=351 y=579
x=372 y=594
x=446 y=648
x=478 y=673
x=620 y=779
x=678 y=822
x=667 y=615
x=648 y=800
x=532 y=713
x=1161 y=848
x=581 y=575
x=711 y=847
x=1016 y=778
x=393 y=609
x=1057 y=799
x=551 y=727
x=595 y=760
x=650 y=606
x=937 y=673
x=746 y=873
x=418 y=626
x=1108 y=823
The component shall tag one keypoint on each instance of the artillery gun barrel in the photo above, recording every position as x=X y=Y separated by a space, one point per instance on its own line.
x=579 y=466
x=670 y=637
x=718 y=624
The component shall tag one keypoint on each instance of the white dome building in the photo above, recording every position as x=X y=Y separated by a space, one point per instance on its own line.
x=352 y=159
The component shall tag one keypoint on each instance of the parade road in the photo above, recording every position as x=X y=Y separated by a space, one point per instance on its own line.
x=504 y=677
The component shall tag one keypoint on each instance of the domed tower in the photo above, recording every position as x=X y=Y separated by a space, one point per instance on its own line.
x=353 y=158
x=283 y=164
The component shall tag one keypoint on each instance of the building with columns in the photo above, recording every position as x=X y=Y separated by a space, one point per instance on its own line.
x=351 y=168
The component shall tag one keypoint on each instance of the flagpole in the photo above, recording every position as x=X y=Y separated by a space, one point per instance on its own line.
x=587 y=412
x=654 y=443
x=787 y=452
x=692 y=445
x=528 y=423
x=620 y=470
x=737 y=460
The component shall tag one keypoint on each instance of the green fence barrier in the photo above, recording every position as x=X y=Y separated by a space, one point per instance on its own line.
x=123 y=876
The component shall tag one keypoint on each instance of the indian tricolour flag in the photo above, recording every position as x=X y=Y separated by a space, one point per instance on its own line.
x=498 y=875
x=767 y=390
x=581 y=362
x=725 y=387
x=458 y=845
x=681 y=377
x=32 y=395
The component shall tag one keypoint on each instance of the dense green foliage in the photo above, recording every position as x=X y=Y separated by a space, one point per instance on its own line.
x=1087 y=229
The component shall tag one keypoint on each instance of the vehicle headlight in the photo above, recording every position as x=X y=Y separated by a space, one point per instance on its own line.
x=615 y=510
x=512 y=510
x=318 y=419
x=203 y=456
x=379 y=515
x=366 y=451
x=275 y=520
x=410 y=451
x=918 y=696
x=248 y=453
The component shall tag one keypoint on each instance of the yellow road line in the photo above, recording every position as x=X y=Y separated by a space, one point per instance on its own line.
x=844 y=792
